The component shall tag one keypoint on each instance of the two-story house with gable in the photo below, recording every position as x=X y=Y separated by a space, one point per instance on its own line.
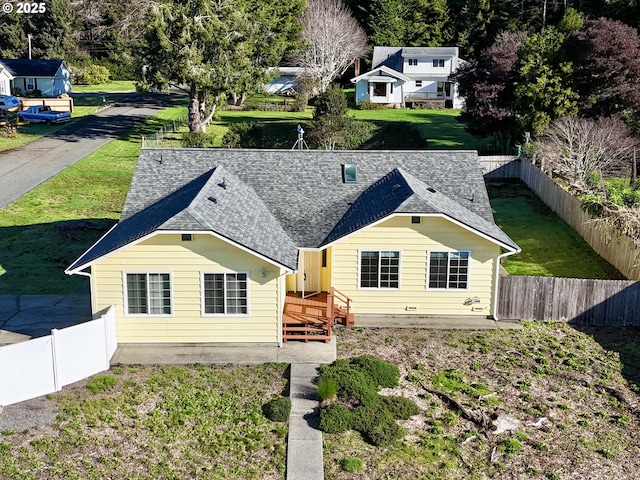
x=408 y=76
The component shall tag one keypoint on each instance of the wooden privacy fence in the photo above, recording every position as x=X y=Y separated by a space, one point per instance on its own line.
x=44 y=365
x=575 y=300
x=615 y=247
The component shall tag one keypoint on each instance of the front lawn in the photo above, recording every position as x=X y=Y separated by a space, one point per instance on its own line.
x=93 y=190
x=157 y=422
x=111 y=86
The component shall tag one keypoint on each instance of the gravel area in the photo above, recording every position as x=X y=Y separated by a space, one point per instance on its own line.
x=37 y=412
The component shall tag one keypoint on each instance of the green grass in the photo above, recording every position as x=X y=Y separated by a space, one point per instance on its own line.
x=155 y=422
x=440 y=128
x=550 y=247
x=112 y=86
x=28 y=133
x=93 y=189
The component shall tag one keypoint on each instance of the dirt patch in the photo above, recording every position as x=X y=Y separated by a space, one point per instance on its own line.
x=38 y=412
x=558 y=404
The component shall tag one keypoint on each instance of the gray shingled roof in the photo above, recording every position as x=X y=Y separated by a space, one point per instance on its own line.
x=279 y=200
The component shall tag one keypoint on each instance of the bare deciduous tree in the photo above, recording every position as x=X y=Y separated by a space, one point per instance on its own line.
x=334 y=39
x=575 y=147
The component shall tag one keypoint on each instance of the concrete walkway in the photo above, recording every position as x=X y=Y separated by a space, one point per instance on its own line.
x=304 y=450
x=222 y=354
x=435 y=323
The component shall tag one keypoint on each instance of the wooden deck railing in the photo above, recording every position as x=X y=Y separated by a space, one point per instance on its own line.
x=338 y=312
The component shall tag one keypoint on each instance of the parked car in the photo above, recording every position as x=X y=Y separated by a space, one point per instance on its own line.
x=9 y=103
x=43 y=114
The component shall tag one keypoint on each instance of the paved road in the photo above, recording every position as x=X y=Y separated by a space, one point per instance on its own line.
x=26 y=167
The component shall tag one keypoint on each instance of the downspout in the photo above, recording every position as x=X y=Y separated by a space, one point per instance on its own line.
x=87 y=274
x=497 y=281
x=281 y=301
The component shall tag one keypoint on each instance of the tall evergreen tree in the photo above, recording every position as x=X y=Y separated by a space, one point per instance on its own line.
x=207 y=48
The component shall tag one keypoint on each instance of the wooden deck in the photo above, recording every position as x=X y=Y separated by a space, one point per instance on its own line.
x=312 y=318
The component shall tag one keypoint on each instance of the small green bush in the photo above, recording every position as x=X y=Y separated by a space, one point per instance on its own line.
x=327 y=388
x=336 y=418
x=400 y=407
x=372 y=106
x=384 y=374
x=352 y=464
x=197 y=140
x=92 y=75
x=101 y=383
x=277 y=409
x=384 y=433
x=354 y=384
x=244 y=135
x=510 y=445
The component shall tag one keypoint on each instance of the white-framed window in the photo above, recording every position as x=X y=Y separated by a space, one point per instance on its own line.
x=448 y=270
x=413 y=62
x=30 y=84
x=438 y=63
x=148 y=293
x=225 y=293
x=418 y=83
x=379 y=269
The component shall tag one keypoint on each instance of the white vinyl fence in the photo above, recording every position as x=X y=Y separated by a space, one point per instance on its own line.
x=44 y=365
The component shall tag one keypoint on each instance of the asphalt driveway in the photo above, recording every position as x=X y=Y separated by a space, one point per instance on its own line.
x=26 y=167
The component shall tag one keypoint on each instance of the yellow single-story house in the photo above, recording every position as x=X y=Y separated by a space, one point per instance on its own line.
x=262 y=246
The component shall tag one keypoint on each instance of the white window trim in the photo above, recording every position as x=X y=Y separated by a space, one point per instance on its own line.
x=225 y=315
x=379 y=250
x=447 y=288
x=147 y=273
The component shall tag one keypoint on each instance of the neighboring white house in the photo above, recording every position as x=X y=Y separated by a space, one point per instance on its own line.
x=404 y=76
x=5 y=80
x=51 y=77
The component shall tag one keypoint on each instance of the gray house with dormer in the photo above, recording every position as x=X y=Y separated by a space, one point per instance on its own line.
x=411 y=76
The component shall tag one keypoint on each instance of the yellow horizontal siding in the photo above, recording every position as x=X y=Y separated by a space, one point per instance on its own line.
x=414 y=241
x=185 y=261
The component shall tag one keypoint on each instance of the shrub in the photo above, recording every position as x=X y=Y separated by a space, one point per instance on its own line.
x=510 y=445
x=354 y=384
x=352 y=464
x=384 y=374
x=197 y=140
x=92 y=75
x=336 y=418
x=277 y=409
x=101 y=383
x=400 y=407
x=244 y=135
x=385 y=433
x=300 y=102
x=327 y=388
x=372 y=106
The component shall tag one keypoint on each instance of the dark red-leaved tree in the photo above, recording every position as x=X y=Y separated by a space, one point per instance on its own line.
x=487 y=85
x=606 y=59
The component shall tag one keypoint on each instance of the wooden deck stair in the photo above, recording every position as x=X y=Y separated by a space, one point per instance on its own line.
x=312 y=318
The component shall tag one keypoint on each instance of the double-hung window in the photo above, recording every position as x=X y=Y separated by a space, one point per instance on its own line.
x=148 y=293
x=225 y=294
x=413 y=62
x=449 y=270
x=438 y=63
x=380 y=269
